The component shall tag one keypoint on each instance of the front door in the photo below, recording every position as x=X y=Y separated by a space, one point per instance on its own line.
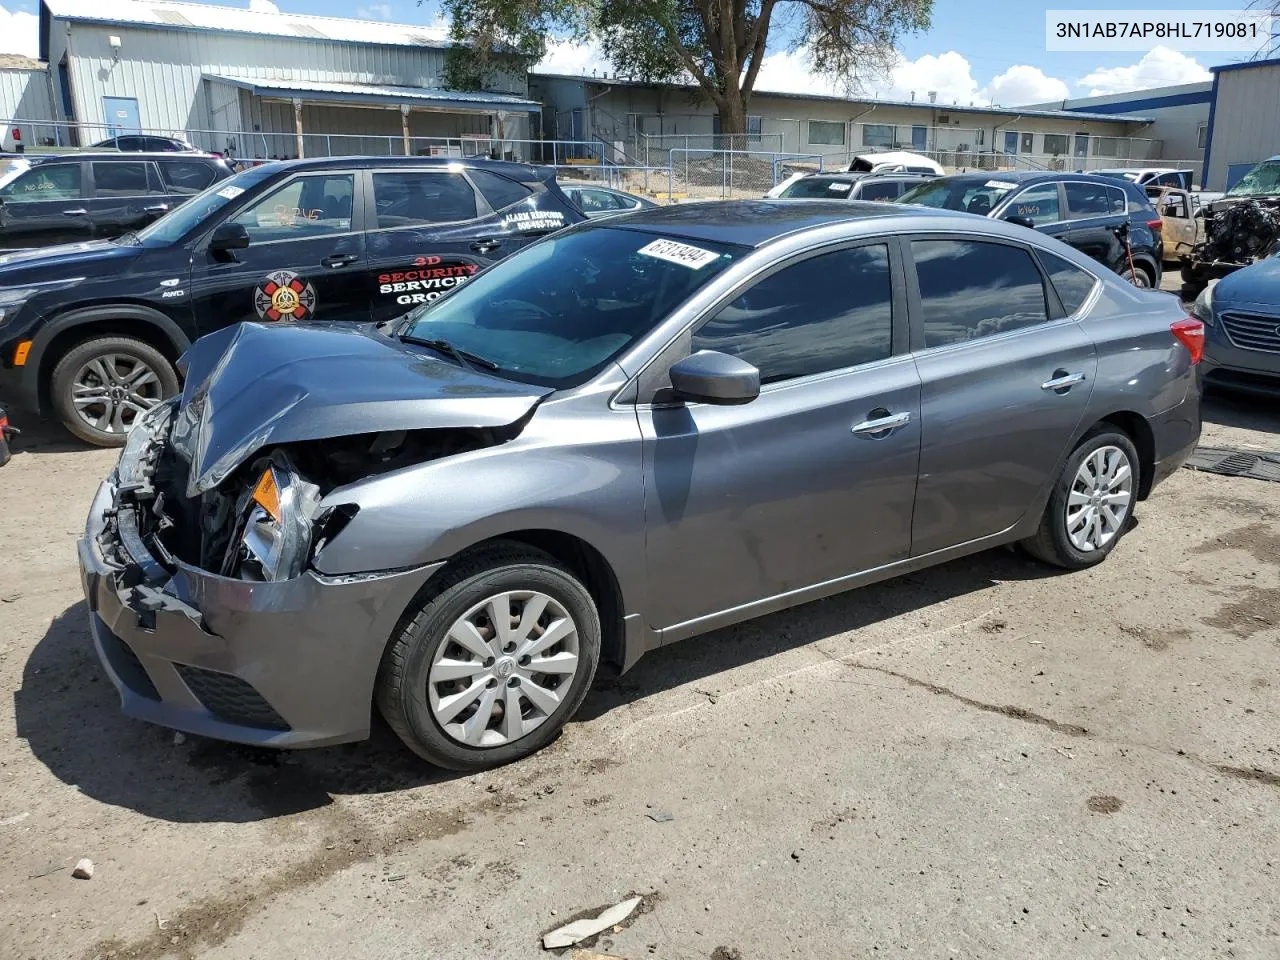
x=988 y=352
x=919 y=139
x=305 y=259
x=121 y=114
x=1011 y=142
x=815 y=478
x=1040 y=203
x=43 y=206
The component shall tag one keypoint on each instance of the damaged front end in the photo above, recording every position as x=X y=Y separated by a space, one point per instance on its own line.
x=1238 y=231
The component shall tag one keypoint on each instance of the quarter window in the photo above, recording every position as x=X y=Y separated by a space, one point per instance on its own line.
x=120 y=179
x=498 y=190
x=1038 y=204
x=185 y=176
x=826 y=313
x=1073 y=284
x=59 y=181
x=302 y=208
x=413 y=199
x=971 y=289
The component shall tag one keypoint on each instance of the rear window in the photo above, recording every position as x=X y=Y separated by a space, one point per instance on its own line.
x=969 y=195
x=818 y=188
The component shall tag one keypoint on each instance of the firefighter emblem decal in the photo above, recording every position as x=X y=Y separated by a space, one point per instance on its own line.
x=284 y=296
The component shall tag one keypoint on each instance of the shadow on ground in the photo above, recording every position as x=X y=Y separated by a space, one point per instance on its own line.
x=41 y=436
x=1241 y=410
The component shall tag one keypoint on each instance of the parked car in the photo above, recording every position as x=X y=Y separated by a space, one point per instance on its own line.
x=1088 y=212
x=93 y=330
x=134 y=142
x=849 y=186
x=596 y=201
x=1181 y=217
x=894 y=161
x=1150 y=176
x=637 y=430
x=1241 y=315
x=69 y=198
x=1241 y=227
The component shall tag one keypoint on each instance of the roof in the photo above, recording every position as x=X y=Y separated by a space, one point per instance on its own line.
x=378 y=93
x=1154 y=98
x=15 y=61
x=1248 y=65
x=523 y=172
x=170 y=14
x=870 y=101
x=753 y=223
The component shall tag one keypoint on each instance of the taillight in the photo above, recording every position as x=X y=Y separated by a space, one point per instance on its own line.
x=1190 y=333
x=1156 y=224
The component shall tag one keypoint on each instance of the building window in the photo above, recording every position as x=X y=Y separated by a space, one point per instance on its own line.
x=1055 y=144
x=1202 y=134
x=1105 y=146
x=830 y=132
x=754 y=126
x=878 y=134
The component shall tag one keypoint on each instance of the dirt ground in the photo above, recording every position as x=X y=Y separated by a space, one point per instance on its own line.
x=987 y=759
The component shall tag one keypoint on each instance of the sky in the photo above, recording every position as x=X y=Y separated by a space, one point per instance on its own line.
x=973 y=52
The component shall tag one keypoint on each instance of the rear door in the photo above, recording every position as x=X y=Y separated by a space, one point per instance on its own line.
x=124 y=195
x=1005 y=378
x=45 y=205
x=305 y=259
x=1094 y=211
x=432 y=228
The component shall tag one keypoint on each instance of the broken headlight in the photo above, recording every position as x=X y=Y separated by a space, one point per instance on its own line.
x=275 y=535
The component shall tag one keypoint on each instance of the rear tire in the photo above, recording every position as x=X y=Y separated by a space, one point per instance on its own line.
x=101 y=386
x=1092 y=502
x=466 y=694
x=1139 y=277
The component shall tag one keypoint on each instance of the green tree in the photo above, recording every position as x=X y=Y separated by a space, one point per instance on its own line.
x=719 y=43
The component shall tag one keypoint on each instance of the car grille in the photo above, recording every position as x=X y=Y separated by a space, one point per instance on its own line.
x=231 y=699
x=1253 y=332
x=126 y=664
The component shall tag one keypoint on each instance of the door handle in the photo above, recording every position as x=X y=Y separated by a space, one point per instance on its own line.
x=158 y=208
x=78 y=212
x=1062 y=381
x=340 y=260
x=881 y=422
x=484 y=246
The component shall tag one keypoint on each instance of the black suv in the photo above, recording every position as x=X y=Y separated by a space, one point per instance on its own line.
x=67 y=198
x=132 y=142
x=1090 y=213
x=93 y=330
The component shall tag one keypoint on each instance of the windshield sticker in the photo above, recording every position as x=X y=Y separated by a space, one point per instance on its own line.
x=230 y=193
x=840 y=187
x=284 y=296
x=1000 y=184
x=533 y=221
x=695 y=258
x=431 y=280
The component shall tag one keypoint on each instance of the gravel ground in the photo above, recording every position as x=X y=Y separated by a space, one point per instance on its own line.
x=988 y=759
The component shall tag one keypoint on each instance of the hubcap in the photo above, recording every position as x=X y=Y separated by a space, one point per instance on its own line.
x=1100 y=498
x=111 y=391
x=504 y=667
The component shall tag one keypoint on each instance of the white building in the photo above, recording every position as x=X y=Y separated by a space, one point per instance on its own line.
x=262 y=83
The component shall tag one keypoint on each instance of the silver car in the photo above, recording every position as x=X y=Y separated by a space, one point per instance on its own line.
x=631 y=432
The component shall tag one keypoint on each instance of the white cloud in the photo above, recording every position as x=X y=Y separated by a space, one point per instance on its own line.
x=375 y=11
x=949 y=75
x=1159 y=67
x=790 y=71
x=19 y=33
x=263 y=6
x=566 y=56
x=1024 y=84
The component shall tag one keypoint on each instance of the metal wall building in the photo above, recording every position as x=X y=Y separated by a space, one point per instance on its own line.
x=1244 y=120
x=261 y=83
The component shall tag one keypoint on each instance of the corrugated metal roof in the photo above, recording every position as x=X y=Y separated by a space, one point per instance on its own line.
x=209 y=16
x=378 y=93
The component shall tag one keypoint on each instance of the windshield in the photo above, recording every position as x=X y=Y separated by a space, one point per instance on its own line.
x=969 y=195
x=1262 y=180
x=175 y=224
x=818 y=187
x=556 y=312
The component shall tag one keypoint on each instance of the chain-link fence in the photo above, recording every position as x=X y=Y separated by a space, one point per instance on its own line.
x=699 y=174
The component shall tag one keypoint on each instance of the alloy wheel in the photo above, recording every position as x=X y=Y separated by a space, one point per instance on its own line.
x=503 y=668
x=1100 y=499
x=112 y=390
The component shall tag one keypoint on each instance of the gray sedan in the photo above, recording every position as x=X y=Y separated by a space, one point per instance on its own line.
x=630 y=433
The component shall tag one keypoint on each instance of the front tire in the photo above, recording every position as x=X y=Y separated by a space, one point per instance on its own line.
x=492 y=666
x=101 y=386
x=1091 y=504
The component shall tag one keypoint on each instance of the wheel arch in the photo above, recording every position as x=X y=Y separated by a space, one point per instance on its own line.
x=1137 y=429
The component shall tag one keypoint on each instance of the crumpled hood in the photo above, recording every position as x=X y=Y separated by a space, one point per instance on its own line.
x=254 y=384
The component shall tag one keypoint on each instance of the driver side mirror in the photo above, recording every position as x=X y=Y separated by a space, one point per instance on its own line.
x=1020 y=221
x=228 y=236
x=709 y=376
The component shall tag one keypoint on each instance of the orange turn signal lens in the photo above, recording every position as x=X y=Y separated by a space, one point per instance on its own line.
x=20 y=355
x=267 y=495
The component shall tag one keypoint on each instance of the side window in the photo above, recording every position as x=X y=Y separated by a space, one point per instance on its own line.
x=594 y=201
x=54 y=181
x=1073 y=284
x=825 y=313
x=130 y=144
x=412 y=199
x=1175 y=205
x=878 y=190
x=1039 y=204
x=185 y=176
x=112 y=179
x=971 y=289
x=1088 y=200
x=1116 y=201
x=160 y=144
x=306 y=207
x=498 y=190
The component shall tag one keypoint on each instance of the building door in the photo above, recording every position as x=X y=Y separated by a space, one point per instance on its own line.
x=1082 y=144
x=919 y=139
x=1028 y=143
x=122 y=115
x=577 y=132
x=1011 y=142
